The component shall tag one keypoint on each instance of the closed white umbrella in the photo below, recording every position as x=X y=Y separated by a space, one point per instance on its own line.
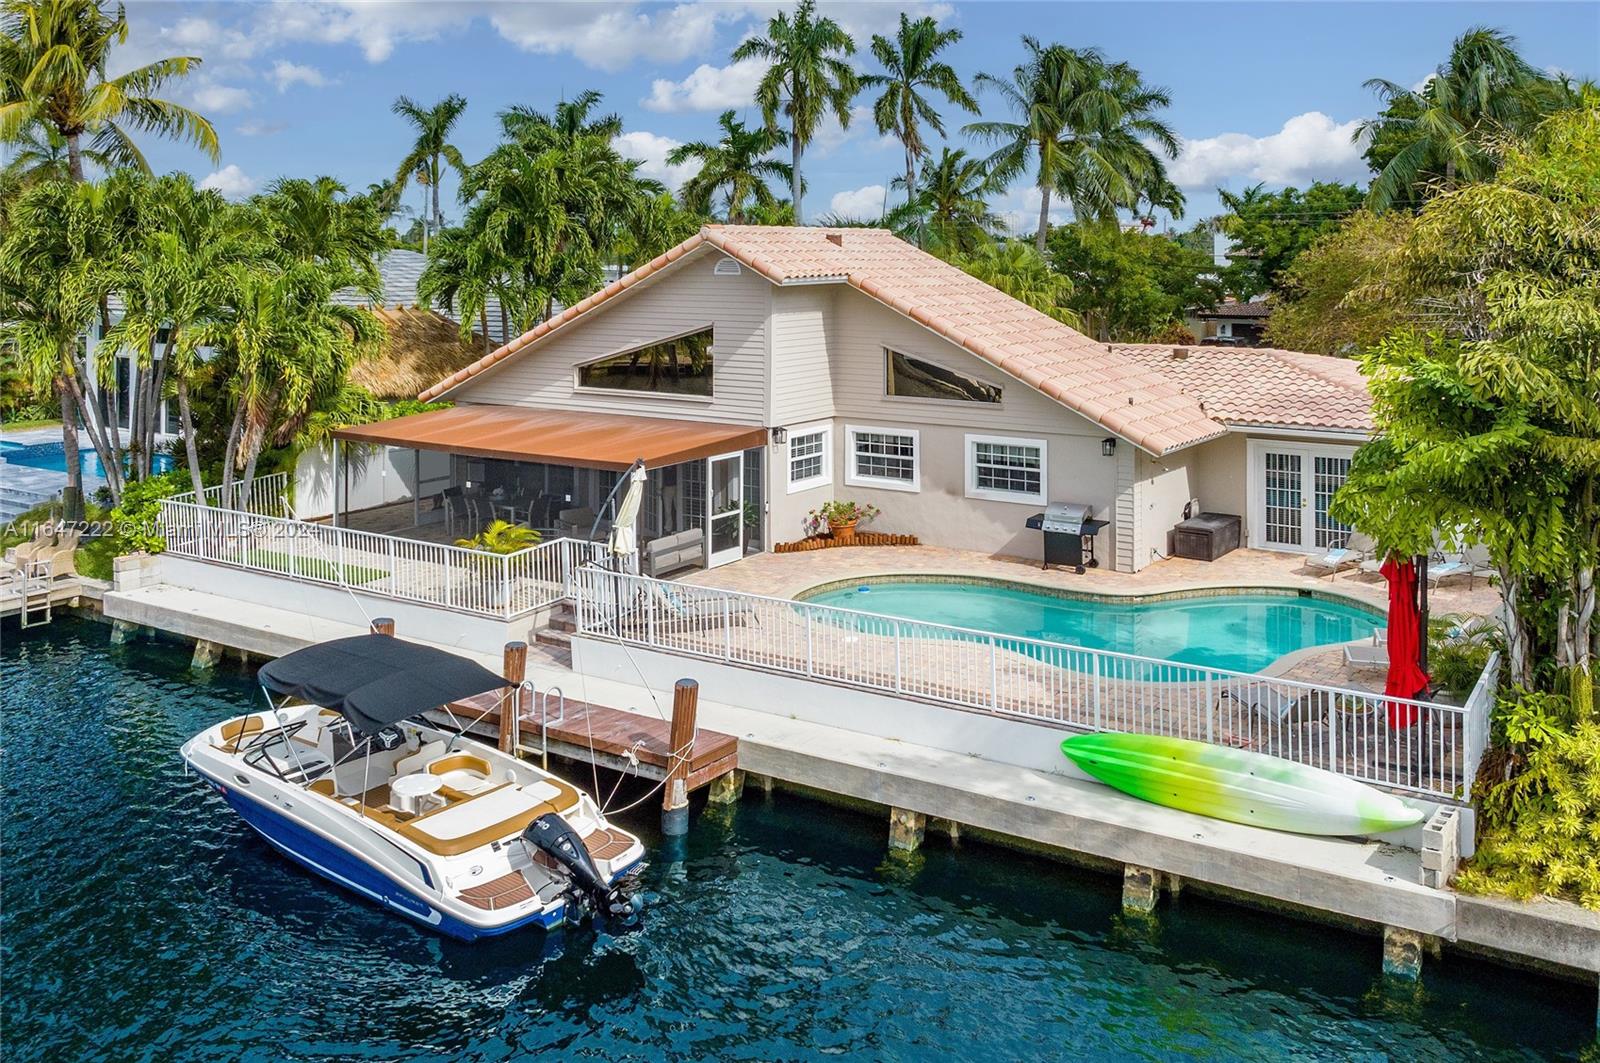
x=624 y=538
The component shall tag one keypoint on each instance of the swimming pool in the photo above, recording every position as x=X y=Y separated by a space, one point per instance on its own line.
x=53 y=456
x=1240 y=631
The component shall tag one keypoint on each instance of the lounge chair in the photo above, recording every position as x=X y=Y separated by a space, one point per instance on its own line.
x=1349 y=550
x=43 y=541
x=1264 y=700
x=1366 y=655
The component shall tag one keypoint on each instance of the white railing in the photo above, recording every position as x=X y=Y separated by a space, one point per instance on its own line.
x=1419 y=747
x=472 y=581
x=266 y=496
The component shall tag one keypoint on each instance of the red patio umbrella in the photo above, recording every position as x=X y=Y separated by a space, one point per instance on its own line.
x=1406 y=677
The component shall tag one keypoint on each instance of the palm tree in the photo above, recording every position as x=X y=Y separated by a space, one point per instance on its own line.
x=1082 y=125
x=289 y=349
x=1482 y=91
x=1022 y=273
x=39 y=153
x=432 y=149
x=50 y=288
x=735 y=166
x=912 y=65
x=460 y=278
x=570 y=120
x=949 y=213
x=172 y=279
x=53 y=62
x=807 y=78
x=315 y=220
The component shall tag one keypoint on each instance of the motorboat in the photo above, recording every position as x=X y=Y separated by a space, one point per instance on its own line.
x=344 y=774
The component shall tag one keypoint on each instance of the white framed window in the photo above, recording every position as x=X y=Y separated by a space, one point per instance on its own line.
x=1006 y=469
x=883 y=457
x=810 y=457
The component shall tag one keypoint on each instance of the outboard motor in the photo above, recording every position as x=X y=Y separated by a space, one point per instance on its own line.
x=554 y=836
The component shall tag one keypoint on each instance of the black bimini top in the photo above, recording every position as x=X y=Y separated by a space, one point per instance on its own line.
x=376 y=680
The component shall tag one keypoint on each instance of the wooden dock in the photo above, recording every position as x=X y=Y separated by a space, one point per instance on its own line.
x=34 y=599
x=621 y=741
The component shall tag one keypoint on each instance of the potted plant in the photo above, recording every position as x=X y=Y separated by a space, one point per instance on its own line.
x=841 y=516
x=499 y=537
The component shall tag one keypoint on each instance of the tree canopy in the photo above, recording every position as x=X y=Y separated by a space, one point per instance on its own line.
x=1129 y=286
x=1269 y=229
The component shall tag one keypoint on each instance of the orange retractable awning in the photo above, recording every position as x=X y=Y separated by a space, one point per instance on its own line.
x=557 y=437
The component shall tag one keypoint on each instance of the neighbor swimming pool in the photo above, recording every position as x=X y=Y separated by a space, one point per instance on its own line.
x=53 y=456
x=1241 y=631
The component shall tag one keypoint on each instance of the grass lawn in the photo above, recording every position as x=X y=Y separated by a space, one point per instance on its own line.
x=313 y=567
x=18 y=426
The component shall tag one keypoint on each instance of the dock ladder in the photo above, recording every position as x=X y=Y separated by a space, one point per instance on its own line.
x=35 y=579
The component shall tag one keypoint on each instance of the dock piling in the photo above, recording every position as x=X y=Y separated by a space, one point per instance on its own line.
x=123 y=632
x=675 y=791
x=1141 y=888
x=726 y=789
x=514 y=666
x=906 y=830
x=1402 y=953
x=206 y=655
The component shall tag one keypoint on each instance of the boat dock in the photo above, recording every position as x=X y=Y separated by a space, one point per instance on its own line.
x=629 y=742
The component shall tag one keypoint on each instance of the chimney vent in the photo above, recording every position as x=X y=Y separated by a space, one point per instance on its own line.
x=1179 y=353
x=836 y=239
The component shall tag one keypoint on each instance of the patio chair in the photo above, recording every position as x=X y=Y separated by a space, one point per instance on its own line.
x=1448 y=568
x=1349 y=550
x=44 y=540
x=686 y=607
x=1264 y=700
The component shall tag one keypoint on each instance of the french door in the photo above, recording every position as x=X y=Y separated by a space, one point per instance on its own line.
x=724 y=509
x=1291 y=488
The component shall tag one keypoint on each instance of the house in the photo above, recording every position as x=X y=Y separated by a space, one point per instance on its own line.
x=761 y=371
x=1231 y=322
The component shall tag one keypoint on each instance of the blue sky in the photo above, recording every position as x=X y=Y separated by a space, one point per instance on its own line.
x=1261 y=92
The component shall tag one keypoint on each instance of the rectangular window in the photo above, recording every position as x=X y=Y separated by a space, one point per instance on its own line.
x=883 y=457
x=913 y=378
x=679 y=366
x=809 y=464
x=1006 y=469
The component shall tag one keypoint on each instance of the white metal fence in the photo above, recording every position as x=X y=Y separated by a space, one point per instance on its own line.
x=266 y=496
x=472 y=581
x=1419 y=747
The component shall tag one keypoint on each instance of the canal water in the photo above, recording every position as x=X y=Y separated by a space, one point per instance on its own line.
x=142 y=921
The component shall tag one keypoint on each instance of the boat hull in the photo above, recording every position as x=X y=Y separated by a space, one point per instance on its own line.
x=329 y=861
x=1238 y=785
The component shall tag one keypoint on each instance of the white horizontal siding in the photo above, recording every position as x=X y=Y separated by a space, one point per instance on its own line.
x=689 y=296
x=864 y=327
x=802 y=328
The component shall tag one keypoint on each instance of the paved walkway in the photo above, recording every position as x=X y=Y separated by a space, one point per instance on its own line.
x=785 y=575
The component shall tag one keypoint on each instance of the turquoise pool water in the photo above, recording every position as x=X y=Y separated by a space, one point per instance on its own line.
x=54 y=457
x=144 y=922
x=1237 y=632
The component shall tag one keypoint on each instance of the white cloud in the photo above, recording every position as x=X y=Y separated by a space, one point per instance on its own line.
x=861 y=204
x=231 y=181
x=1018 y=209
x=213 y=98
x=831 y=134
x=613 y=36
x=1309 y=146
x=285 y=74
x=260 y=129
x=708 y=88
x=651 y=151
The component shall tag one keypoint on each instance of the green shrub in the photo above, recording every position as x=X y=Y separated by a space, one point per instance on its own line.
x=1458 y=649
x=138 y=519
x=1550 y=842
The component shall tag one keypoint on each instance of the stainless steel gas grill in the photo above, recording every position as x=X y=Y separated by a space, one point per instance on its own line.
x=1069 y=529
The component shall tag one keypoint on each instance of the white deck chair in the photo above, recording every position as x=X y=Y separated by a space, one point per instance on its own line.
x=1348 y=550
x=1366 y=655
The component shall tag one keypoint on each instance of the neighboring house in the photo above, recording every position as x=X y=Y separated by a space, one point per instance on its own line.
x=1231 y=323
x=762 y=371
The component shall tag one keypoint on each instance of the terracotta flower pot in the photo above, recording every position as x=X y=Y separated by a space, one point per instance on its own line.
x=843 y=530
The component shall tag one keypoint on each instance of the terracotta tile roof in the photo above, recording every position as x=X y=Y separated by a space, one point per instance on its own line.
x=1244 y=386
x=1124 y=395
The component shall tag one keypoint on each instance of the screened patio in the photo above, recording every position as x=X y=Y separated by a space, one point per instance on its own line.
x=443 y=476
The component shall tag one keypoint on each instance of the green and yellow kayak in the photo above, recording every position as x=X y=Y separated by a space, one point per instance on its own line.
x=1237 y=785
